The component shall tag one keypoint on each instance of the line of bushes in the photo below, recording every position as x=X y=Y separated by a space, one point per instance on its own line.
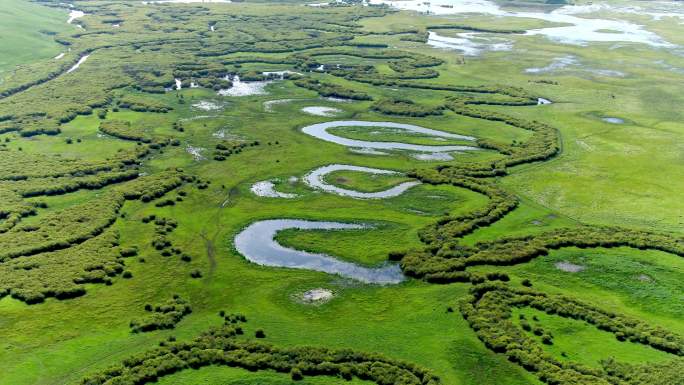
x=331 y=90
x=220 y=346
x=488 y=310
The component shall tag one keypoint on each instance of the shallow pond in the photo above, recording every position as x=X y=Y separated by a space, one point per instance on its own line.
x=316 y=179
x=241 y=88
x=320 y=131
x=267 y=189
x=469 y=43
x=613 y=120
x=321 y=111
x=256 y=243
x=575 y=30
x=74 y=14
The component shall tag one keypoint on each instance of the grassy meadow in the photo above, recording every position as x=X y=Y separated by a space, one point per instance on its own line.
x=51 y=134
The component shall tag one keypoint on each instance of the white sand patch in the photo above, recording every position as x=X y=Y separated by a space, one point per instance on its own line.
x=318 y=295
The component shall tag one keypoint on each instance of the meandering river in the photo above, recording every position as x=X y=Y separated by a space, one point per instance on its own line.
x=256 y=243
x=319 y=131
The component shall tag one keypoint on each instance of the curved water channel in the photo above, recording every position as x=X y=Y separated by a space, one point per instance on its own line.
x=256 y=243
x=316 y=179
x=319 y=131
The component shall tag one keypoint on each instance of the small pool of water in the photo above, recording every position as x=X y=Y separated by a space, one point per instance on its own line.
x=267 y=189
x=613 y=120
x=256 y=243
x=241 y=88
x=321 y=111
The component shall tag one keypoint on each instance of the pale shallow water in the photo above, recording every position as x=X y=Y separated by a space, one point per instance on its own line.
x=196 y=152
x=469 y=43
x=316 y=177
x=569 y=267
x=321 y=111
x=433 y=157
x=257 y=244
x=207 y=105
x=556 y=64
x=185 y=1
x=74 y=14
x=580 y=30
x=267 y=189
x=279 y=74
x=78 y=64
x=367 y=151
x=320 y=131
x=613 y=120
x=241 y=88
x=571 y=63
x=268 y=105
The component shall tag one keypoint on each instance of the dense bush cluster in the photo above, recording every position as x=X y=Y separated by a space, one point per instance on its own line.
x=123 y=130
x=228 y=148
x=543 y=144
x=142 y=104
x=405 y=107
x=444 y=259
x=489 y=313
x=656 y=373
x=59 y=252
x=63 y=273
x=162 y=316
x=331 y=90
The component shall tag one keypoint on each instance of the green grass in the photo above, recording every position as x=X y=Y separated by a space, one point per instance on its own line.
x=606 y=174
x=580 y=342
x=23 y=33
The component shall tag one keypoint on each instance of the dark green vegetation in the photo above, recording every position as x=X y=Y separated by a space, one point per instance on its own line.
x=117 y=190
x=162 y=316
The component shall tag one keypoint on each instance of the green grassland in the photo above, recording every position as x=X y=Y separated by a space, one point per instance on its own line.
x=25 y=33
x=52 y=142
